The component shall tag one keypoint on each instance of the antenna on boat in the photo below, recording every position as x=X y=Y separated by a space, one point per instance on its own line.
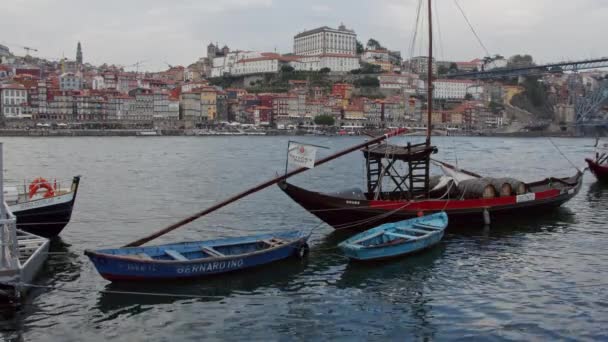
x=429 y=77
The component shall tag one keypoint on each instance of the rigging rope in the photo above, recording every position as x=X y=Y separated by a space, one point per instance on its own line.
x=415 y=35
x=563 y=155
x=472 y=28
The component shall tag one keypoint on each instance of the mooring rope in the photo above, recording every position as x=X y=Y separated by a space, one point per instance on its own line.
x=563 y=155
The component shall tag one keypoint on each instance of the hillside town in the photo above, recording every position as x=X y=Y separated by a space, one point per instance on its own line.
x=329 y=80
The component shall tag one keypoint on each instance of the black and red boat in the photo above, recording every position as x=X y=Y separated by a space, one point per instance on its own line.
x=487 y=199
x=599 y=165
x=43 y=208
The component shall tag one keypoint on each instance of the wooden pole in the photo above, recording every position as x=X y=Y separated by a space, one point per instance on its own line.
x=429 y=81
x=258 y=188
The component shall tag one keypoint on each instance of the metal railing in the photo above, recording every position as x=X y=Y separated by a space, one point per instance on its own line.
x=9 y=252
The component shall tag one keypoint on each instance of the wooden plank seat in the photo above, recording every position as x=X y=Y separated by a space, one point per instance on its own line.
x=143 y=256
x=422 y=225
x=414 y=230
x=175 y=255
x=274 y=242
x=212 y=252
x=367 y=238
x=401 y=236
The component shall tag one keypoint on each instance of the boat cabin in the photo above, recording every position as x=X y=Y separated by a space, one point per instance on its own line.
x=398 y=172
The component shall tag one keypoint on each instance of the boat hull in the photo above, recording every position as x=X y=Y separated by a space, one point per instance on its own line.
x=121 y=268
x=374 y=254
x=599 y=171
x=390 y=251
x=349 y=213
x=48 y=216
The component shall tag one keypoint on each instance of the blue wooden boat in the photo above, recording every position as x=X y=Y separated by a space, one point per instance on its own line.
x=195 y=259
x=397 y=238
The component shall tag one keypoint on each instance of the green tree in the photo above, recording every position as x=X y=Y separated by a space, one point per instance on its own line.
x=367 y=81
x=373 y=44
x=360 y=48
x=287 y=68
x=368 y=68
x=453 y=67
x=442 y=70
x=325 y=70
x=468 y=96
x=325 y=120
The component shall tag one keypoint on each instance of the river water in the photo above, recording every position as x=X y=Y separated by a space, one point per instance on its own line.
x=542 y=278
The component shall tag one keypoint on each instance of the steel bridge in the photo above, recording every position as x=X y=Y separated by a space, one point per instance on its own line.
x=587 y=108
x=533 y=70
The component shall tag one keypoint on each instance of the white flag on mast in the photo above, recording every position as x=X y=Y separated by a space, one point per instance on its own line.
x=301 y=155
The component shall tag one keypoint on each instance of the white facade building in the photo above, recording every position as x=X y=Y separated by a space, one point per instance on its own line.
x=420 y=65
x=224 y=64
x=405 y=81
x=495 y=63
x=371 y=56
x=335 y=62
x=270 y=64
x=451 y=89
x=325 y=40
x=13 y=100
x=98 y=83
x=70 y=81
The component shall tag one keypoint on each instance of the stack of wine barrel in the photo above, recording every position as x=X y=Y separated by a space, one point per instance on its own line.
x=491 y=187
x=485 y=187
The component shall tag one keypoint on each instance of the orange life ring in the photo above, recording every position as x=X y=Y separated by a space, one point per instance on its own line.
x=41 y=183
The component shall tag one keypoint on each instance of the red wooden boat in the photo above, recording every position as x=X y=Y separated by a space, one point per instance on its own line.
x=600 y=170
x=359 y=210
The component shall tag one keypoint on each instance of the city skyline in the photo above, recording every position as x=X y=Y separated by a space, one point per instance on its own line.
x=152 y=31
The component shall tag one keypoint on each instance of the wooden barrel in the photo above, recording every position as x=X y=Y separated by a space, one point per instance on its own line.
x=519 y=187
x=509 y=186
x=503 y=186
x=477 y=188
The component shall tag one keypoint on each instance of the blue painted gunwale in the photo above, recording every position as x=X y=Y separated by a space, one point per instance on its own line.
x=123 y=263
x=376 y=252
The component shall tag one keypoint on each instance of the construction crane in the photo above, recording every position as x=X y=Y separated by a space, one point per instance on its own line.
x=26 y=48
x=169 y=65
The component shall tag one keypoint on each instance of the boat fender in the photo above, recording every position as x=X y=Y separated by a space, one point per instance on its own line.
x=486 y=217
x=420 y=213
x=303 y=250
x=41 y=183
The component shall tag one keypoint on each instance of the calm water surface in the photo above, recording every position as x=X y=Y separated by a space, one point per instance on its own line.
x=544 y=278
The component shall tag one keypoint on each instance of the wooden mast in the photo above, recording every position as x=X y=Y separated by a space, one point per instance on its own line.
x=260 y=187
x=429 y=80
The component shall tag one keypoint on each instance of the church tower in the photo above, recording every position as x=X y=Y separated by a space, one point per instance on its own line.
x=79 y=54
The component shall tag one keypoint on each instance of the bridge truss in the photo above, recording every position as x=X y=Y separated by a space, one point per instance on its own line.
x=587 y=107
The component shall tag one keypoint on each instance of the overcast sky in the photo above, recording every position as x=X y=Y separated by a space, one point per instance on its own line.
x=178 y=31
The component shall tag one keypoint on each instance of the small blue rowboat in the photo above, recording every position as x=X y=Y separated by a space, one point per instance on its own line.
x=395 y=239
x=195 y=259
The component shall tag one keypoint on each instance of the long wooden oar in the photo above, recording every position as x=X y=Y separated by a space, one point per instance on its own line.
x=258 y=188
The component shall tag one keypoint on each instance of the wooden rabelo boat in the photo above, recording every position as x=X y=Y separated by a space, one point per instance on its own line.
x=599 y=165
x=196 y=258
x=43 y=208
x=395 y=239
x=599 y=170
x=394 y=195
x=411 y=195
